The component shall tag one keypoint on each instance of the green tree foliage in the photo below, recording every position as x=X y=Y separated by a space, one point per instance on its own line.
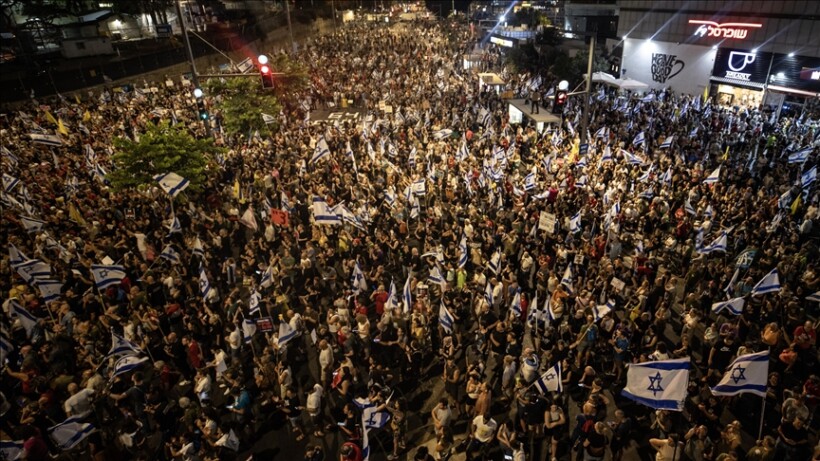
x=294 y=83
x=243 y=103
x=161 y=149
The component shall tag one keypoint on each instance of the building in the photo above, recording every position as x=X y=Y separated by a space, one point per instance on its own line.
x=740 y=53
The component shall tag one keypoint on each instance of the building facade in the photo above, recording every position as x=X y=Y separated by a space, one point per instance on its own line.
x=748 y=53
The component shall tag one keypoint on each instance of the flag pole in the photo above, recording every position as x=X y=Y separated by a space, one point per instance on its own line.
x=762 y=417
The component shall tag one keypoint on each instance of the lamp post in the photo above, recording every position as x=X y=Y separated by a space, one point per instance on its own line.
x=194 y=76
x=585 y=113
x=290 y=28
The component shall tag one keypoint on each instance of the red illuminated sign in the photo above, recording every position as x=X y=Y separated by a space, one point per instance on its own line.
x=738 y=30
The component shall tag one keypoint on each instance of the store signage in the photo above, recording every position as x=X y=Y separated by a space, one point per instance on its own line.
x=737 y=30
x=501 y=41
x=810 y=74
x=742 y=65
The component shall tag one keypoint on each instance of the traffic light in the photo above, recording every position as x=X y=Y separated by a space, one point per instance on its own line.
x=265 y=72
x=560 y=97
x=200 y=105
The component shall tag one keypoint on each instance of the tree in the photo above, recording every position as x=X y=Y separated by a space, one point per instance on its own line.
x=294 y=81
x=243 y=103
x=162 y=149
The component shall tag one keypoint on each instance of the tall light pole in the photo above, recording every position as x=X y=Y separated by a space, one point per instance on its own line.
x=194 y=76
x=585 y=114
x=290 y=28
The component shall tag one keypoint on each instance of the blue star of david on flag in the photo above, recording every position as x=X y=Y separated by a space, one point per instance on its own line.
x=738 y=374
x=655 y=383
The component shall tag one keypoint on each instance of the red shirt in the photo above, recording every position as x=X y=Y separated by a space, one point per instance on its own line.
x=380 y=299
x=355 y=452
x=804 y=338
x=194 y=354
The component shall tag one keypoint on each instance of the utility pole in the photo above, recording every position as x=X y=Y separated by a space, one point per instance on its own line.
x=194 y=76
x=290 y=28
x=333 y=8
x=585 y=114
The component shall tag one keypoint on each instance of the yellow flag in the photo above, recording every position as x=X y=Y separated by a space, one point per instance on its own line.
x=705 y=93
x=726 y=154
x=236 y=189
x=77 y=98
x=86 y=116
x=75 y=215
x=61 y=127
x=796 y=204
x=50 y=118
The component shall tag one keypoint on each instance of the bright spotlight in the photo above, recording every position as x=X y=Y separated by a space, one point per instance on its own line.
x=791 y=55
x=262 y=59
x=197 y=93
x=754 y=51
x=563 y=85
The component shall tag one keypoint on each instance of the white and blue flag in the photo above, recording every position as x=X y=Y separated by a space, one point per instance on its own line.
x=50 y=290
x=800 y=156
x=516 y=303
x=254 y=303
x=719 y=244
x=495 y=262
x=747 y=374
x=734 y=305
x=9 y=182
x=435 y=276
x=174 y=227
x=566 y=279
x=575 y=223
x=713 y=177
x=357 y=279
x=601 y=310
x=248 y=330
x=407 y=295
x=127 y=364
x=171 y=183
x=107 y=275
x=11 y=450
x=170 y=254
x=768 y=284
x=550 y=381
x=488 y=293
x=204 y=284
x=286 y=333
x=320 y=151
x=808 y=177
x=529 y=182
x=32 y=225
x=814 y=296
x=27 y=320
x=667 y=143
x=462 y=251
x=661 y=385
x=122 y=346
x=445 y=318
x=69 y=433
x=639 y=139
x=323 y=214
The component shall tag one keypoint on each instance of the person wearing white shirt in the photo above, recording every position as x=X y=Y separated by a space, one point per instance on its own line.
x=80 y=401
x=202 y=386
x=483 y=431
x=325 y=361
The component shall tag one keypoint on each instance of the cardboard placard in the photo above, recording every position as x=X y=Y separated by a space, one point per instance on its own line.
x=264 y=324
x=280 y=217
x=618 y=284
x=546 y=222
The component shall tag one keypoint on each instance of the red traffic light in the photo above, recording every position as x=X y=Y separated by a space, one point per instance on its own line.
x=264 y=69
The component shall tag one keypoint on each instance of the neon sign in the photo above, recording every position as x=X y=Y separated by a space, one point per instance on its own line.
x=738 y=30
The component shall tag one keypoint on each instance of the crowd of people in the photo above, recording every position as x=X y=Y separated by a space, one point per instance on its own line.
x=465 y=254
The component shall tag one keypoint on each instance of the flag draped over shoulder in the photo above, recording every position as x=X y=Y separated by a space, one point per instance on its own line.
x=661 y=385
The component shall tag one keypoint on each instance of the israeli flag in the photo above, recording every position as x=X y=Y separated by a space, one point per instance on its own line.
x=170 y=254
x=285 y=202
x=800 y=156
x=198 y=250
x=808 y=177
x=286 y=333
x=582 y=163
x=9 y=182
x=407 y=295
x=550 y=381
x=601 y=310
x=687 y=206
x=639 y=139
x=32 y=225
x=171 y=183
x=127 y=364
x=566 y=279
x=204 y=284
x=463 y=153
x=667 y=177
x=175 y=227
x=667 y=143
x=419 y=187
x=575 y=223
x=248 y=330
x=392 y=300
x=661 y=385
x=11 y=450
x=320 y=151
x=735 y=306
x=27 y=320
x=69 y=433
x=551 y=316
x=50 y=290
x=323 y=214
x=442 y=134
x=719 y=244
x=713 y=177
x=390 y=198
x=411 y=159
x=768 y=284
x=516 y=303
x=122 y=346
x=529 y=182
x=534 y=312
x=645 y=177
x=814 y=296
x=33 y=269
x=631 y=158
x=445 y=318
x=488 y=293
x=462 y=251
x=747 y=374
x=415 y=208
x=607 y=156
x=357 y=279
x=495 y=262
x=47 y=139
x=107 y=275
x=254 y=303
x=601 y=133
x=435 y=276
x=581 y=182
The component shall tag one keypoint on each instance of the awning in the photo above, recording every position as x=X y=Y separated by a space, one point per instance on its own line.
x=740 y=83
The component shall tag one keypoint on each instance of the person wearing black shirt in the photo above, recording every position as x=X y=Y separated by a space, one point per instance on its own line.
x=292 y=407
x=721 y=355
x=792 y=441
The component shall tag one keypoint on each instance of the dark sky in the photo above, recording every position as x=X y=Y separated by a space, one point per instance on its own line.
x=446 y=5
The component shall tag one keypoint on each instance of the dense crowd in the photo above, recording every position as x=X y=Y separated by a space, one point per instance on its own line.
x=444 y=211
